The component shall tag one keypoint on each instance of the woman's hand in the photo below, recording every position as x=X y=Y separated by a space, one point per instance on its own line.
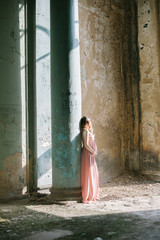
x=85 y=138
x=95 y=153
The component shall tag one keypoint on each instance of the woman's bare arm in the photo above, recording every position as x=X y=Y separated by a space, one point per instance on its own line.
x=85 y=136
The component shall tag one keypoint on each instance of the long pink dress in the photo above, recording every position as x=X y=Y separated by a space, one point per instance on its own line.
x=89 y=173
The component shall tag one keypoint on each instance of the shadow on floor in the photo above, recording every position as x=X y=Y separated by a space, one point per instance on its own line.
x=21 y=222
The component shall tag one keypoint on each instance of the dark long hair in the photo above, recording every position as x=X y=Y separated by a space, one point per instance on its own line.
x=83 y=122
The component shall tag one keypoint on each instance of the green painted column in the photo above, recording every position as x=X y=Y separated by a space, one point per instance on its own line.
x=31 y=96
x=65 y=100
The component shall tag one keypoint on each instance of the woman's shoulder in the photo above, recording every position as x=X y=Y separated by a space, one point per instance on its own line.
x=85 y=131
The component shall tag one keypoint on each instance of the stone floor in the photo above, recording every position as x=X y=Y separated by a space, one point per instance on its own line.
x=129 y=209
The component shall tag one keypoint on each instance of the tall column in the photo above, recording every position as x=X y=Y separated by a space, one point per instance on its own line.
x=65 y=100
x=31 y=97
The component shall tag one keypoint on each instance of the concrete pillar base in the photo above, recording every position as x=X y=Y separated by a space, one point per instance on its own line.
x=65 y=194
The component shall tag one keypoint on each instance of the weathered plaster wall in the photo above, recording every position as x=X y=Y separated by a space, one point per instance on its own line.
x=132 y=111
x=102 y=30
x=44 y=161
x=12 y=98
x=120 y=87
x=148 y=31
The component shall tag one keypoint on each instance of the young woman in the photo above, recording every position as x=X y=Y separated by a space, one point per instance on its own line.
x=89 y=171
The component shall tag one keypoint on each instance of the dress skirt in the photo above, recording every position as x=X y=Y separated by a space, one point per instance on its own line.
x=89 y=174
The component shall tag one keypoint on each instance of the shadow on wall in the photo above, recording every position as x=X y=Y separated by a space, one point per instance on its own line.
x=66 y=161
x=71 y=169
x=45 y=167
x=12 y=100
x=44 y=152
x=47 y=32
x=43 y=102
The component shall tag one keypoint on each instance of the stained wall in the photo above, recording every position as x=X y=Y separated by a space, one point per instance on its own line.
x=119 y=44
x=12 y=98
x=148 y=42
x=109 y=92
x=131 y=76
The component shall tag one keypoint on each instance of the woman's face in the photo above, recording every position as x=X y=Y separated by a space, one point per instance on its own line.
x=89 y=124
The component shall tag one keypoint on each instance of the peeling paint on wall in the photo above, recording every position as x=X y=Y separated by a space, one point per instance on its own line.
x=12 y=176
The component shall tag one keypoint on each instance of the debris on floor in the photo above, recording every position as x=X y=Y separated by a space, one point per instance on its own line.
x=129 y=208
